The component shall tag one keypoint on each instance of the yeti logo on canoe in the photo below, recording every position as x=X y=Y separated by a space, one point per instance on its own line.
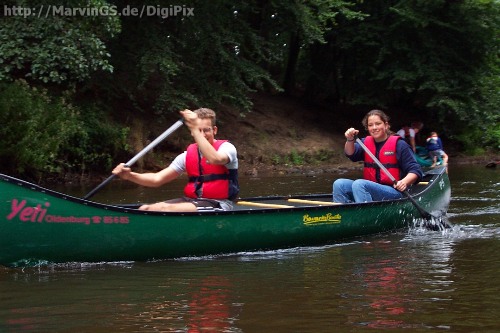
x=25 y=213
x=328 y=218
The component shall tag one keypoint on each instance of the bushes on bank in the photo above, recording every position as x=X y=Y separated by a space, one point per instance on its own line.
x=40 y=133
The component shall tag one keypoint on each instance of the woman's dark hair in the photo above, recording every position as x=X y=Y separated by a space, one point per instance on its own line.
x=385 y=118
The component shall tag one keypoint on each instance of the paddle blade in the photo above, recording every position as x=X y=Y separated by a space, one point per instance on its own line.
x=436 y=223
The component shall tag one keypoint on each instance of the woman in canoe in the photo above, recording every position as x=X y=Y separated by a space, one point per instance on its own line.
x=393 y=152
x=211 y=166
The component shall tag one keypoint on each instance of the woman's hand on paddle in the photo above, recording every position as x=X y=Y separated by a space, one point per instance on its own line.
x=350 y=134
x=401 y=186
x=122 y=171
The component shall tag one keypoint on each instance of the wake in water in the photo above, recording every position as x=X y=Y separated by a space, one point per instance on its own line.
x=456 y=231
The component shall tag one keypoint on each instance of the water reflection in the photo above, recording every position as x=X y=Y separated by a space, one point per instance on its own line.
x=210 y=306
x=401 y=281
x=384 y=281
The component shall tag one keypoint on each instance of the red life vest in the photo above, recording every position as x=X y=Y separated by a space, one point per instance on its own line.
x=209 y=180
x=386 y=156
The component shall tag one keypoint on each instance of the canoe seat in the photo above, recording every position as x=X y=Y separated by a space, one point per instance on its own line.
x=284 y=202
x=314 y=202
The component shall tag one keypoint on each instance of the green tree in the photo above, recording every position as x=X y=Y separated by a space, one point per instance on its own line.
x=305 y=23
x=41 y=133
x=34 y=128
x=435 y=59
x=53 y=48
x=213 y=56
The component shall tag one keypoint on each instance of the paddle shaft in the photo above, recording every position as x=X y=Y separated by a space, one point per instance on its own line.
x=134 y=159
x=422 y=212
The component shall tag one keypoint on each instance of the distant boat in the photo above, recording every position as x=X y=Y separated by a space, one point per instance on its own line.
x=423 y=158
x=39 y=226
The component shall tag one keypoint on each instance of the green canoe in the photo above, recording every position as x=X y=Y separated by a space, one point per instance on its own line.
x=423 y=158
x=41 y=226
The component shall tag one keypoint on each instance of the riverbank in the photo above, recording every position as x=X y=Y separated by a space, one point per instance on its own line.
x=283 y=136
x=279 y=136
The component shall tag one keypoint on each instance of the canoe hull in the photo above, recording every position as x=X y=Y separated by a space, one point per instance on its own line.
x=41 y=226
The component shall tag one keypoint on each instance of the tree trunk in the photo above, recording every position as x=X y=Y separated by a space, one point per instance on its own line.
x=293 y=57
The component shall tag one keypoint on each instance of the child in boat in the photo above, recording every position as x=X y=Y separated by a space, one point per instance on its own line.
x=435 y=147
x=391 y=151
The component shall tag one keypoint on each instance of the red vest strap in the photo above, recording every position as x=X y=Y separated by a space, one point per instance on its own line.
x=207 y=180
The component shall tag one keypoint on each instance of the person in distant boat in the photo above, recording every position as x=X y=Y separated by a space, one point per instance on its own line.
x=435 y=148
x=211 y=166
x=393 y=152
x=409 y=134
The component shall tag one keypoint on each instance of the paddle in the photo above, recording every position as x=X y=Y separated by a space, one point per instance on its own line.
x=159 y=139
x=426 y=215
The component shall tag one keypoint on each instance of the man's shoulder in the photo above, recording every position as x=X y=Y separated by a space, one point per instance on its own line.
x=226 y=144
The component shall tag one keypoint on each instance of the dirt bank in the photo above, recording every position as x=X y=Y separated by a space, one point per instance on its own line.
x=281 y=135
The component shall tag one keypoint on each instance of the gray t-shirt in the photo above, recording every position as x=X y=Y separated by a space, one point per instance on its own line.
x=179 y=163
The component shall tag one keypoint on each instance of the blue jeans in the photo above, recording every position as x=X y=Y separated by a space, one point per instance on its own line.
x=361 y=190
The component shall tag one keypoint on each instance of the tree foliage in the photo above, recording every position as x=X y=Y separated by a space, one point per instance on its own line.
x=34 y=128
x=54 y=49
x=437 y=60
x=219 y=55
x=43 y=133
x=212 y=57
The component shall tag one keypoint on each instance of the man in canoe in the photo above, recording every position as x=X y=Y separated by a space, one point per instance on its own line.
x=394 y=154
x=211 y=166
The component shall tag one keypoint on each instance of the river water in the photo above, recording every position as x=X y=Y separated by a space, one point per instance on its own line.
x=411 y=281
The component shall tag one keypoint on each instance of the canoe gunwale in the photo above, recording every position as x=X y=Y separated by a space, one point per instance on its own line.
x=416 y=192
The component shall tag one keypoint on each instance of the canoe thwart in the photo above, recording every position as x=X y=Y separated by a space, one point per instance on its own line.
x=314 y=202
x=265 y=205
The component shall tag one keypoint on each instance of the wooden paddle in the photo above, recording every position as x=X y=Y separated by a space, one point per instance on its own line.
x=159 y=139
x=431 y=224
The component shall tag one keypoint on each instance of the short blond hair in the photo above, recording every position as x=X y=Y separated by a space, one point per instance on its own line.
x=206 y=113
